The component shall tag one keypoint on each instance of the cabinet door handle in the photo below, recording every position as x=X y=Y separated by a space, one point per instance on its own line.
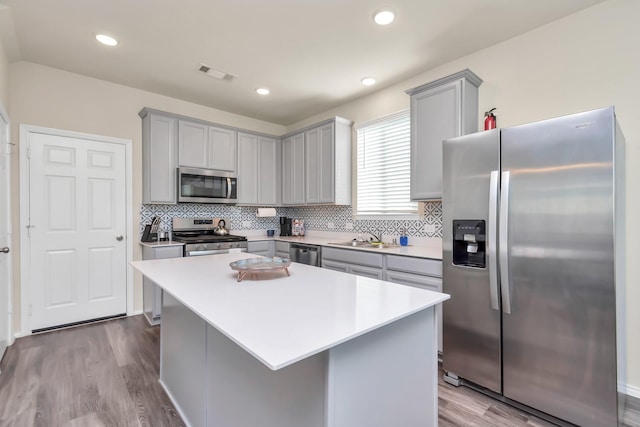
x=119 y=238
x=5 y=250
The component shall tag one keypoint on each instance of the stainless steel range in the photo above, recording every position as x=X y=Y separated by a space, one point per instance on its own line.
x=206 y=236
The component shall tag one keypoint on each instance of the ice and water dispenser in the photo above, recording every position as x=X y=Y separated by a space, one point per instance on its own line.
x=469 y=243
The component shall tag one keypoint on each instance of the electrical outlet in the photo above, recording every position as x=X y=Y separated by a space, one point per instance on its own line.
x=246 y=224
x=331 y=225
x=430 y=228
x=349 y=226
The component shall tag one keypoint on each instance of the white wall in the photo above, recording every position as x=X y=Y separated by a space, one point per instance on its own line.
x=49 y=97
x=584 y=61
x=4 y=77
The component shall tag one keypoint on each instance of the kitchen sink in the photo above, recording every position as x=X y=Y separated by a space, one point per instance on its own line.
x=366 y=244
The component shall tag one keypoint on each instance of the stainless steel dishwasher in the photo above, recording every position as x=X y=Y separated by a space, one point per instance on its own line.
x=305 y=254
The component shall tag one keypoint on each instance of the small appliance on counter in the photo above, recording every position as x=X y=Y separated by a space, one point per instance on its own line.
x=285 y=226
x=297 y=229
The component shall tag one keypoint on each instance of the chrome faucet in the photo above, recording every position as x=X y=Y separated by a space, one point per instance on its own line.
x=377 y=238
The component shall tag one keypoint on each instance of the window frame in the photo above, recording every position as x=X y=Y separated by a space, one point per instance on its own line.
x=419 y=213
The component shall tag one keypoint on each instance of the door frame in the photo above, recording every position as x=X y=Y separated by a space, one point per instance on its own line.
x=25 y=242
x=10 y=333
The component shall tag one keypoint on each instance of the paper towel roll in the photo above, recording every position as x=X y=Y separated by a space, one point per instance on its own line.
x=266 y=212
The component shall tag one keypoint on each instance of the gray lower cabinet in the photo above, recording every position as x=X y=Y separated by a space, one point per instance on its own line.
x=420 y=273
x=262 y=247
x=151 y=293
x=440 y=110
x=354 y=262
x=159 y=157
x=282 y=249
x=259 y=175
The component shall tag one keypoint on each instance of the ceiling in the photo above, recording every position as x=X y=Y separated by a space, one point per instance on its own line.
x=311 y=54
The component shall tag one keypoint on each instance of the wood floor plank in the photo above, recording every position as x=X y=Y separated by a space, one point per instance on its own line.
x=120 y=345
x=19 y=386
x=89 y=420
x=106 y=374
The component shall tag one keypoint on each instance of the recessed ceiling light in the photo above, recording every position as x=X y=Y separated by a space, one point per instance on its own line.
x=106 y=40
x=384 y=17
x=263 y=91
x=368 y=81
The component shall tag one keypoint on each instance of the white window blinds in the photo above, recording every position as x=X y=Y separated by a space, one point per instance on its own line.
x=383 y=167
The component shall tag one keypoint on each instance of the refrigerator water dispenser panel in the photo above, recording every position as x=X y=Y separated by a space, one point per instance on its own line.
x=469 y=243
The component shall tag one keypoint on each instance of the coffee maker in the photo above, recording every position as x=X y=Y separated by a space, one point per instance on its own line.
x=285 y=226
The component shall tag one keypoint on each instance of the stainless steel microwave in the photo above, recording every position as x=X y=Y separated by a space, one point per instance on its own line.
x=207 y=186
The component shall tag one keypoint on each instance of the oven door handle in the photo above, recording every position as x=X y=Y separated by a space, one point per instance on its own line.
x=212 y=252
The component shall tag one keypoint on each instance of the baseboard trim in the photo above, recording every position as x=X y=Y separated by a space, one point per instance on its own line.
x=632 y=391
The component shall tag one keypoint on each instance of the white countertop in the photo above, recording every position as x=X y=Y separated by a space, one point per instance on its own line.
x=278 y=319
x=432 y=249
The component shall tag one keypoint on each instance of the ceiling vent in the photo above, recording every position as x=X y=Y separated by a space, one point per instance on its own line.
x=220 y=75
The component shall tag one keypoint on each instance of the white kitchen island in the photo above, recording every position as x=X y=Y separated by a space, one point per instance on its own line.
x=319 y=348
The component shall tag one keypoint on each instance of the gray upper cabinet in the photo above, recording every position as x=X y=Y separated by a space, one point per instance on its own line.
x=440 y=110
x=293 y=176
x=222 y=149
x=319 y=165
x=328 y=163
x=312 y=166
x=159 y=157
x=193 y=141
x=203 y=146
x=258 y=170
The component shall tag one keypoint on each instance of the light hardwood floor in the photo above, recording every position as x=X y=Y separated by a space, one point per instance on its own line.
x=106 y=374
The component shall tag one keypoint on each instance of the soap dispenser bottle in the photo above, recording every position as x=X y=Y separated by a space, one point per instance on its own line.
x=404 y=240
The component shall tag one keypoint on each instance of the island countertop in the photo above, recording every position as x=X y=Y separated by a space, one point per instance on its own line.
x=278 y=319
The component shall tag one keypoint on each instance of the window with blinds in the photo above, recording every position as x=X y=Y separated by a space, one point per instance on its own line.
x=383 y=178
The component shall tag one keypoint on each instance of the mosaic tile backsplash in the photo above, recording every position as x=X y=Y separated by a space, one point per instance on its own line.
x=315 y=218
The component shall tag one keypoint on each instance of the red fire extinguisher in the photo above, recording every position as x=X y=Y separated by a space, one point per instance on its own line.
x=490 y=120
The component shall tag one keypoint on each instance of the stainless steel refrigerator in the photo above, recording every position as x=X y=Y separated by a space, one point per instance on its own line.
x=533 y=258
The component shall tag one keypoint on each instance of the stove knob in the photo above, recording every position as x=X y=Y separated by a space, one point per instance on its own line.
x=206 y=246
x=234 y=245
x=198 y=247
x=218 y=246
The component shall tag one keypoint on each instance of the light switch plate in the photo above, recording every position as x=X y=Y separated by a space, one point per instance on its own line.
x=430 y=228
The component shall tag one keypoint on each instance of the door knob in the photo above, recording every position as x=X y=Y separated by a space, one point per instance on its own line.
x=119 y=238
x=5 y=250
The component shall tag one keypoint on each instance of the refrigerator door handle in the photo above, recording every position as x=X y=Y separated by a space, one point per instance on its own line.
x=504 y=241
x=493 y=239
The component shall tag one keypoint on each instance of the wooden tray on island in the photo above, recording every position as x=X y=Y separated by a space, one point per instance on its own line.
x=260 y=265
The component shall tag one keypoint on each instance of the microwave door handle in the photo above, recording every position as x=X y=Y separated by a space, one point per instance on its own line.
x=494 y=183
x=228 y=187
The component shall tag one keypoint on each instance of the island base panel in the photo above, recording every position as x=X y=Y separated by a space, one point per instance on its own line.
x=183 y=359
x=243 y=392
x=387 y=377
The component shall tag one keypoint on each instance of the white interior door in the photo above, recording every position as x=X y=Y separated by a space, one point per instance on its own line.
x=5 y=235
x=77 y=224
